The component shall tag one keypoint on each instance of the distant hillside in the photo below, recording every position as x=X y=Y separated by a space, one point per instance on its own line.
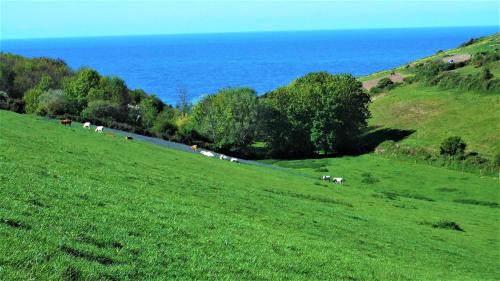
x=454 y=101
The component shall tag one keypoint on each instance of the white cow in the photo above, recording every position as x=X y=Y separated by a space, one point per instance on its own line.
x=234 y=160
x=326 y=178
x=207 y=153
x=99 y=129
x=86 y=125
x=338 y=180
x=223 y=157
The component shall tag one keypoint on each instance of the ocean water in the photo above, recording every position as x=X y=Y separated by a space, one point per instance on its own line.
x=204 y=63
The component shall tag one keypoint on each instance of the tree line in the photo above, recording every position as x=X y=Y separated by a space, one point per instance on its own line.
x=318 y=113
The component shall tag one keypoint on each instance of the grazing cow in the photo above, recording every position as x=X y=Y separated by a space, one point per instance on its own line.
x=66 y=122
x=326 y=178
x=99 y=129
x=86 y=125
x=194 y=147
x=129 y=138
x=234 y=160
x=223 y=157
x=338 y=180
x=207 y=153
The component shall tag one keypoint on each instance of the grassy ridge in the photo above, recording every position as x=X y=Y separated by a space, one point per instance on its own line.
x=76 y=204
x=485 y=44
x=434 y=113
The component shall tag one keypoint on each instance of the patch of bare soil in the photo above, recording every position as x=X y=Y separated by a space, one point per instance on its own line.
x=457 y=58
x=396 y=77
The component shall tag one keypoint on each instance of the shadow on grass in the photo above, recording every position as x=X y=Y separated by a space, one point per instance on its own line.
x=368 y=142
x=375 y=136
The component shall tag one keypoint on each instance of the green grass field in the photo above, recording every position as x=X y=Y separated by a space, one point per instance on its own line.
x=435 y=114
x=75 y=204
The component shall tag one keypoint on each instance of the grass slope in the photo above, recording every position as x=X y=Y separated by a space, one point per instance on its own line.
x=485 y=44
x=435 y=114
x=79 y=205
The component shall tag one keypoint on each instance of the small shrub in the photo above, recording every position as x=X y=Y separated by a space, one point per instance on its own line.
x=484 y=58
x=105 y=111
x=53 y=103
x=384 y=82
x=452 y=146
x=368 y=178
x=496 y=160
x=447 y=225
x=470 y=42
x=323 y=170
x=486 y=74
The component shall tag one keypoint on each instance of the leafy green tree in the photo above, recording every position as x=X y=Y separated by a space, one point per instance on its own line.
x=19 y=74
x=78 y=87
x=149 y=108
x=111 y=89
x=53 y=103
x=228 y=118
x=31 y=99
x=317 y=112
x=136 y=96
x=164 y=125
x=183 y=103
x=104 y=111
x=452 y=146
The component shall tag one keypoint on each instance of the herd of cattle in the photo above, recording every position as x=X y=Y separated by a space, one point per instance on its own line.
x=86 y=125
x=100 y=129
x=211 y=154
x=335 y=180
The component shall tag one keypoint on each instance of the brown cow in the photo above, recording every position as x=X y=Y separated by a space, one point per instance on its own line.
x=194 y=147
x=66 y=122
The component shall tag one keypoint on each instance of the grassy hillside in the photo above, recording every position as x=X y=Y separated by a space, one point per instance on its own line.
x=75 y=204
x=485 y=44
x=435 y=113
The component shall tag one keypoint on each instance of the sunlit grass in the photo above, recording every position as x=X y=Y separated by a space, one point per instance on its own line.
x=75 y=204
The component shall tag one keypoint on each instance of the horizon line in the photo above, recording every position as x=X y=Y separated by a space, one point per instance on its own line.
x=244 y=32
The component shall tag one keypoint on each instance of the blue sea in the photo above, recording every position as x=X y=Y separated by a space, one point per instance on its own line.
x=204 y=63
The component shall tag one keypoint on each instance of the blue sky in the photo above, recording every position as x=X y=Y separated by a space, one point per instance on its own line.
x=39 y=19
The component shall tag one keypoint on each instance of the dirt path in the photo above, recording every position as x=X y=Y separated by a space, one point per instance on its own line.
x=457 y=58
x=396 y=77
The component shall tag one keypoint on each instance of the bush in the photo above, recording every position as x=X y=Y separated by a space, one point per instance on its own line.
x=447 y=225
x=484 y=58
x=104 y=111
x=53 y=103
x=452 y=146
x=383 y=84
x=470 y=42
x=164 y=126
x=31 y=99
x=486 y=74
x=7 y=103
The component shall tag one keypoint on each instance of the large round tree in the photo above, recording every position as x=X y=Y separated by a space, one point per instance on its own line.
x=319 y=112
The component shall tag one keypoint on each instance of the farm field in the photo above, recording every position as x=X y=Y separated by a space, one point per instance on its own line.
x=75 y=204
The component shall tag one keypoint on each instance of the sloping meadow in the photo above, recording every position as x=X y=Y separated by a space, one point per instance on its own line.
x=75 y=204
